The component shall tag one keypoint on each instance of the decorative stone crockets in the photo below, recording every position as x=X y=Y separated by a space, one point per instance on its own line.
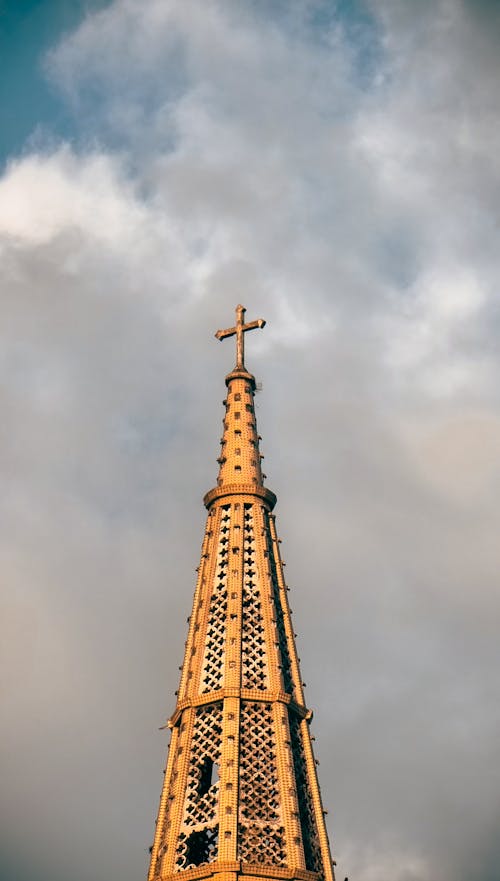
x=240 y=795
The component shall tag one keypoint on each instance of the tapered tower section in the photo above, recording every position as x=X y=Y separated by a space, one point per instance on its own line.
x=241 y=796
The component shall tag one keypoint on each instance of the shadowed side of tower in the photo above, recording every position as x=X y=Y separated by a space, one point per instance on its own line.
x=240 y=795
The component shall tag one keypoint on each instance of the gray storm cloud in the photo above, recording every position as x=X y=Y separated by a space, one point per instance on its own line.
x=337 y=171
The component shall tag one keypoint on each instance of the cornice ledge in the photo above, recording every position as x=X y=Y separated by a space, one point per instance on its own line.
x=206 y=870
x=263 y=870
x=240 y=489
x=268 y=871
x=241 y=373
x=244 y=694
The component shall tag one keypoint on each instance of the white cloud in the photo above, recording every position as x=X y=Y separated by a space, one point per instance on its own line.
x=41 y=196
x=427 y=341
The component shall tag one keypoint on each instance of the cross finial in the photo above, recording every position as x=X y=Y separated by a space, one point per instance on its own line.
x=239 y=331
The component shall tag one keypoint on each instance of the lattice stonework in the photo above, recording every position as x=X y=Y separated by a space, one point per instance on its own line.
x=254 y=666
x=260 y=811
x=283 y=639
x=310 y=838
x=213 y=661
x=198 y=837
x=240 y=796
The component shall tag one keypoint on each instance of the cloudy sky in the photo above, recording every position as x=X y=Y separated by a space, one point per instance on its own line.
x=335 y=166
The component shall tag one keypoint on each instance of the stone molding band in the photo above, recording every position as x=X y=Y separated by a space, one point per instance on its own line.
x=240 y=489
x=244 y=694
x=260 y=870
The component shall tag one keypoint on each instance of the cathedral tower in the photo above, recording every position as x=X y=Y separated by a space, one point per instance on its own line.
x=240 y=795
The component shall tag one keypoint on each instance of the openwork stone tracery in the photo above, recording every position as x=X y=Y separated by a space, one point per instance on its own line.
x=215 y=642
x=260 y=801
x=254 y=664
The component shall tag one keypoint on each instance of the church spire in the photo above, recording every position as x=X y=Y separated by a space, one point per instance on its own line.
x=241 y=795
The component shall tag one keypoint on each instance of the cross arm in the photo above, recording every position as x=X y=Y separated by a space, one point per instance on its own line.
x=260 y=322
x=230 y=331
x=222 y=334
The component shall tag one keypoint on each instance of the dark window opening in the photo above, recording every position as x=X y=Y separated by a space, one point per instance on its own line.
x=209 y=775
x=201 y=847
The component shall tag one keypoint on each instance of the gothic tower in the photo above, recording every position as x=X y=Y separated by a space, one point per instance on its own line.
x=240 y=795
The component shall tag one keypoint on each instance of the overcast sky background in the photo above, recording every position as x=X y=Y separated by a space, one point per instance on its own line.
x=335 y=166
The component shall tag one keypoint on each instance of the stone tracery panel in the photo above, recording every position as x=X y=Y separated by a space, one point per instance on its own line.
x=286 y=667
x=199 y=829
x=261 y=836
x=310 y=839
x=254 y=662
x=212 y=676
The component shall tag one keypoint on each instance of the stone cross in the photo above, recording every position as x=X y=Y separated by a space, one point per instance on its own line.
x=239 y=330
